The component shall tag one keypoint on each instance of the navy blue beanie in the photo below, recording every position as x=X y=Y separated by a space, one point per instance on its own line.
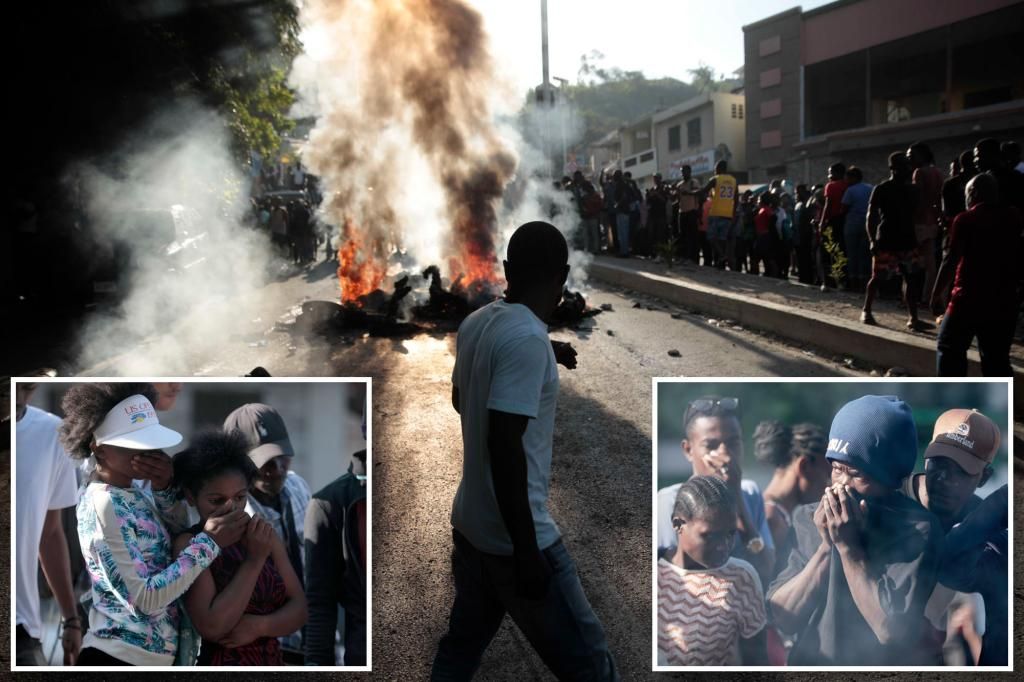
x=876 y=434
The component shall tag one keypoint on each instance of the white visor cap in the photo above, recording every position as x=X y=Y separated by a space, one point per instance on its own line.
x=133 y=424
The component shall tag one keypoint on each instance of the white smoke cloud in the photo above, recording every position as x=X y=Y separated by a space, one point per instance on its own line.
x=409 y=103
x=172 y=183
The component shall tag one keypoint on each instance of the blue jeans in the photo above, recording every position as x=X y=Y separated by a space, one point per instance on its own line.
x=622 y=232
x=561 y=627
x=719 y=228
x=858 y=256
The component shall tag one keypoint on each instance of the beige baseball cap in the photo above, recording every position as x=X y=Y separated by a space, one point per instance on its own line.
x=967 y=437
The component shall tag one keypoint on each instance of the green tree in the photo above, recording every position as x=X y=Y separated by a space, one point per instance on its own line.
x=251 y=90
x=705 y=80
x=257 y=111
x=606 y=97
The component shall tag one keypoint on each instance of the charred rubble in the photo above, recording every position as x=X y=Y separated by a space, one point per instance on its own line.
x=381 y=314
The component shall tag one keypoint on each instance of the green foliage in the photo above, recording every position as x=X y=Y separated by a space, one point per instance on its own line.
x=704 y=79
x=593 y=71
x=257 y=112
x=667 y=251
x=605 y=106
x=237 y=60
x=253 y=92
x=836 y=255
x=606 y=98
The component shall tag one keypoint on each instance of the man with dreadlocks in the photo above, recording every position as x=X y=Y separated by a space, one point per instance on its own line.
x=710 y=605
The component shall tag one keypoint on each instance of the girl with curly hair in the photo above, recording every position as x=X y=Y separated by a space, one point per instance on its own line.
x=136 y=579
x=250 y=595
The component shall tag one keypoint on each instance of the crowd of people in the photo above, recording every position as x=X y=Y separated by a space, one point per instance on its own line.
x=292 y=228
x=283 y=205
x=951 y=240
x=281 y=176
x=219 y=555
x=848 y=557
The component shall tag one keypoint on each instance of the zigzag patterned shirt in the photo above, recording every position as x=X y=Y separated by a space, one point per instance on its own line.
x=702 y=614
x=136 y=580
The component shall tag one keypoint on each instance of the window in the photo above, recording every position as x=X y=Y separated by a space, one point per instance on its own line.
x=737 y=111
x=908 y=78
x=693 y=132
x=740 y=108
x=646 y=156
x=896 y=112
x=630 y=162
x=835 y=94
x=734 y=111
x=978 y=44
x=675 y=142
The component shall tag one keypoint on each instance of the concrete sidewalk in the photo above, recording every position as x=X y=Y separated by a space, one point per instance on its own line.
x=739 y=297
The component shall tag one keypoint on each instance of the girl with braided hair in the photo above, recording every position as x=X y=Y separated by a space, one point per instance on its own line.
x=710 y=605
x=801 y=475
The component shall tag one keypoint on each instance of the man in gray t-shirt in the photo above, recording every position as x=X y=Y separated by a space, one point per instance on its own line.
x=509 y=557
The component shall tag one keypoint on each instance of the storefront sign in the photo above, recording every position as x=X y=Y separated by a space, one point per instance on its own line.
x=703 y=162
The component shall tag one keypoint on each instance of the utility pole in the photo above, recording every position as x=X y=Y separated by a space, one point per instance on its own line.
x=544 y=41
x=545 y=93
x=563 y=112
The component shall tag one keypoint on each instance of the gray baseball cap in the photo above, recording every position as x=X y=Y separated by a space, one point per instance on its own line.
x=264 y=430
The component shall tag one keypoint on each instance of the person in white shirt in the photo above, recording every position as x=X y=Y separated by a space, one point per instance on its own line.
x=45 y=477
x=509 y=556
x=714 y=447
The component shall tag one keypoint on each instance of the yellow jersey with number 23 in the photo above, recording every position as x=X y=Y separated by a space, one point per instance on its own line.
x=723 y=197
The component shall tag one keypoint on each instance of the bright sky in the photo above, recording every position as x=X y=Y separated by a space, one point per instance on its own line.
x=658 y=37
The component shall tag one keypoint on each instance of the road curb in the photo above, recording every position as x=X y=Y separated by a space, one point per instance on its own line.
x=872 y=345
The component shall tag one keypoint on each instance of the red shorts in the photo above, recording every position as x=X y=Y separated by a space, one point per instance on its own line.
x=888 y=264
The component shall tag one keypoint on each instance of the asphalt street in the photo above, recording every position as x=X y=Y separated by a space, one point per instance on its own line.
x=601 y=482
x=600 y=488
x=601 y=473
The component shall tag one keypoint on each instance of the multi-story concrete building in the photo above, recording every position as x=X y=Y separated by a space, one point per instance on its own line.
x=697 y=132
x=700 y=132
x=605 y=153
x=855 y=80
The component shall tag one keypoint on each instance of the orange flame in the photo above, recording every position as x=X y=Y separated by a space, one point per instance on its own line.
x=474 y=273
x=360 y=271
